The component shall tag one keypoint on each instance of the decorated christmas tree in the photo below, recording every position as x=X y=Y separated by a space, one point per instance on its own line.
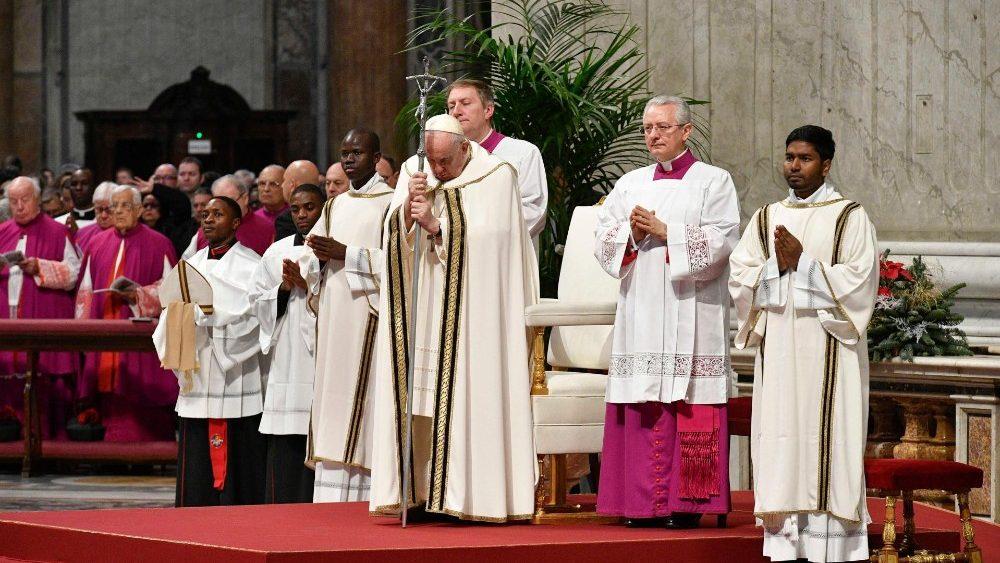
x=912 y=317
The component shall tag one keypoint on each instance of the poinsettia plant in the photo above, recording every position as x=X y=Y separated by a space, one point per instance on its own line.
x=912 y=317
x=8 y=415
x=89 y=417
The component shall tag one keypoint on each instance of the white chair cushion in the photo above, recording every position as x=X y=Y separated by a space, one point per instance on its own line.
x=576 y=383
x=574 y=439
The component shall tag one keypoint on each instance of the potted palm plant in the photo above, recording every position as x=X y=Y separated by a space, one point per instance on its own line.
x=568 y=77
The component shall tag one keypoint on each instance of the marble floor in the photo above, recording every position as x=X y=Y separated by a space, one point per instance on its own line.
x=85 y=491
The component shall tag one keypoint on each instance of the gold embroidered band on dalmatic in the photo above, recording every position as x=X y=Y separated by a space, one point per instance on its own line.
x=398 y=328
x=360 y=391
x=832 y=356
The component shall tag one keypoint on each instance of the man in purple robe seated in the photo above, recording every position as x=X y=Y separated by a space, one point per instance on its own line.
x=134 y=394
x=37 y=286
x=254 y=232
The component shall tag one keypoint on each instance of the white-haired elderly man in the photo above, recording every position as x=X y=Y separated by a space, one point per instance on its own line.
x=254 y=232
x=135 y=395
x=103 y=218
x=472 y=444
x=39 y=266
x=666 y=230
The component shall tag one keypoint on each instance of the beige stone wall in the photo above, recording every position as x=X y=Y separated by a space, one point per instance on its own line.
x=910 y=89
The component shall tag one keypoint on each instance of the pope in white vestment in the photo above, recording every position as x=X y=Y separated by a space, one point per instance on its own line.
x=473 y=454
x=348 y=290
x=810 y=391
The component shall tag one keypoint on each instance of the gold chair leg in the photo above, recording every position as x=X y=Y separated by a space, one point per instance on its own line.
x=972 y=552
x=538 y=384
x=908 y=545
x=888 y=553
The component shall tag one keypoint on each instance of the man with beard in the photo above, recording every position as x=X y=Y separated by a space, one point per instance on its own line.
x=221 y=453
x=280 y=296
x=341 y=442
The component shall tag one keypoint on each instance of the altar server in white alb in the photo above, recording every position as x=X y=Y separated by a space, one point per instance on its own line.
x=666 y=230
x=347 y=286
x=471 y=102
x=473 y=455
x=804 y=279
x=280 y=299
x=221 y=454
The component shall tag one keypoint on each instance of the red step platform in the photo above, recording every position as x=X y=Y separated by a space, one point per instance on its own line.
x=345 y=532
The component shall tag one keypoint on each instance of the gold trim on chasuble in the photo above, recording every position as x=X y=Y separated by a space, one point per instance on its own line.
x=794 y=205
x=360 y=391
x=352 y=193
x=454 y=281
x=832 y=356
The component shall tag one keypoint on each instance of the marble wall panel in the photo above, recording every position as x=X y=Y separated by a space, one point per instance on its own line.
x=909 y=88
x=980 y=455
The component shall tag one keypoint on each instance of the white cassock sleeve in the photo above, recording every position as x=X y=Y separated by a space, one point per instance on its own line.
x=233 y=327
x=701 y=252
x=748 y=268
x=534 y=188
x=613 y=235
x=362 y=267
x=263 y=298
x=843 y=294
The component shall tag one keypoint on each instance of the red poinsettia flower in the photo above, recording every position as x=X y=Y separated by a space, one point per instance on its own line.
x=89 y=416
x=892 y=271
x=884 y=291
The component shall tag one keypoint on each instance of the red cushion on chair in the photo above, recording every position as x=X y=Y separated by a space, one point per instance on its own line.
x=739 y=416
x=911 y=474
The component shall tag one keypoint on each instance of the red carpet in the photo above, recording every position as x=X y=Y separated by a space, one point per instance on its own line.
x=345 y=532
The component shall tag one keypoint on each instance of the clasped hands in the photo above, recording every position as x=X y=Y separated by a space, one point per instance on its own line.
x=290 y=275
x=787 y=249
x=644 y=223
x=419 y=206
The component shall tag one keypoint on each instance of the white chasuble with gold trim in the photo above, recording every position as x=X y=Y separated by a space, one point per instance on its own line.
x=810 y=396
x=473 y=450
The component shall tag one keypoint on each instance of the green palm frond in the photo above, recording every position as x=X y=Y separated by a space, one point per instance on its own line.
x=567 y=76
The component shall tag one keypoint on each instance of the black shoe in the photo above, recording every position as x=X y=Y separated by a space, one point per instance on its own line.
x=683 y=521
x=644 y=522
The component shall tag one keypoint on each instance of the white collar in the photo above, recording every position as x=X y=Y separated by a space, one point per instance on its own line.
x=375 y=179
x=669 y=165
x=821 y=194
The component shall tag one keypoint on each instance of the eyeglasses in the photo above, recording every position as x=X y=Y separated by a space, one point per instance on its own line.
x=126 y=205
x=262 y=184
x=151 y=205
x=659 y=128
x=99 y=209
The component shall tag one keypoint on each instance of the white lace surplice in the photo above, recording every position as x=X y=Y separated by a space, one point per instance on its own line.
x=670 y=334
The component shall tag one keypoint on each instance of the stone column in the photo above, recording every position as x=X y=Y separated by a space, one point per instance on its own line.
x=367 y=71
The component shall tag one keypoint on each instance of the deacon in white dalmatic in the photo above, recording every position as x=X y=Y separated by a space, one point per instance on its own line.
x=473 y=455
x=804 y=279
x=280 y=297
x=341 y=274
